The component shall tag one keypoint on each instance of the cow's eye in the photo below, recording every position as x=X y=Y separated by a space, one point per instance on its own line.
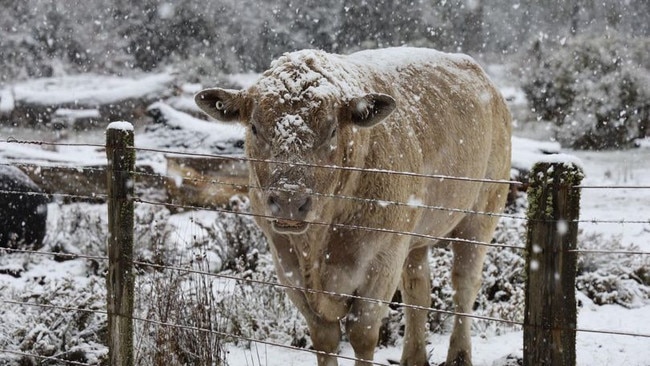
x=333 y=133
x=254 y=130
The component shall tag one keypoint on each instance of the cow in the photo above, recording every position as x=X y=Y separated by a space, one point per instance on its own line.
x=347 y=155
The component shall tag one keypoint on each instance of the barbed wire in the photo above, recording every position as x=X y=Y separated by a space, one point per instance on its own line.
x=441 y=177
x=596 y=186
x=45 y=358
x=337 y=225
x=344 y=226
x=280 y=162
x=243 y=158
x=249 y=339
x=380 y=202
x=98 y=196
x=602 y=251
x=334 y=225
x=13 y=140
x=60 y=254
x=325 y=292
x=355 y=297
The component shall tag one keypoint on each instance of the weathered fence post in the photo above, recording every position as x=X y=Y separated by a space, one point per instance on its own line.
x=550 y=306
x=120 y=277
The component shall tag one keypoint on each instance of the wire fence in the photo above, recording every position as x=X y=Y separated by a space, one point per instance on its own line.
x=141 y=199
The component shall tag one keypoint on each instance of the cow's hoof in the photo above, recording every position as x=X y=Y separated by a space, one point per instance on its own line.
x=461 y=359
x=395 y=362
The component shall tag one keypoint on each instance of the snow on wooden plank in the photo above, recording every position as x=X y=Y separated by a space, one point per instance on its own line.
x=116 y=98
x=90 y=89
x=6 y=101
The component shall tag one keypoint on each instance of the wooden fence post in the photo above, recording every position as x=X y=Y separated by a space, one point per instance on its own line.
x=550 y=306
x=120 y=277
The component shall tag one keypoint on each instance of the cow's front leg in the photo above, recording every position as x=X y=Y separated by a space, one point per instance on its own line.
x=362 y=325
x=325 y=335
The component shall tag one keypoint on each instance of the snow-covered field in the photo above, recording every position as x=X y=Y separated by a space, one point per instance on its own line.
x=78 y=282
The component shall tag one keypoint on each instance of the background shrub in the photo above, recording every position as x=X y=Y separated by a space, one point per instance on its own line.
x=596 y=89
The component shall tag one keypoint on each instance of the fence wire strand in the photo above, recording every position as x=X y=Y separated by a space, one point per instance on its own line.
x=46 y=358
x=337 y=225
x=336 y=196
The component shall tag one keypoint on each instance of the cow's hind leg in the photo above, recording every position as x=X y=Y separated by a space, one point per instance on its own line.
x=466 y=279
x=416 y=290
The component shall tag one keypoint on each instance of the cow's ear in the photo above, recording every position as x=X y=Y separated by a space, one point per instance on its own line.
x=370 y=109
x=223 y=104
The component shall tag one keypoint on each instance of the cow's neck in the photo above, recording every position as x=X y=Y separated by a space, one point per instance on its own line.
x=310 y=250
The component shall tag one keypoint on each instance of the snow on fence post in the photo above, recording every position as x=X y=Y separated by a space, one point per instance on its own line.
x=550 y=305
x=120 y=277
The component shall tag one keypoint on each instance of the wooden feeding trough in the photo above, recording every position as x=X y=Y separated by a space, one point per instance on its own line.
x=205 y=181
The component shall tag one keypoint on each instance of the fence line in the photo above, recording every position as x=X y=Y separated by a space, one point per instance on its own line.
x=596 y=186
x=334 y=167
x=324 y=292
x=378 y=201
x=242 y=158
x=317 y=194
x=349 y=226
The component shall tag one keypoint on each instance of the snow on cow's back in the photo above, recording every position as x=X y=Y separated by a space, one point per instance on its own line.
x=315 y=74
x=463 y=73
x=391 y=59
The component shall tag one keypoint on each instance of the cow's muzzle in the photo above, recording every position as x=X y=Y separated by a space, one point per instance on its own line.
x=289 y=210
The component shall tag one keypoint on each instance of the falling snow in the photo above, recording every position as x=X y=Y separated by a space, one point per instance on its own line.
x=70 y=62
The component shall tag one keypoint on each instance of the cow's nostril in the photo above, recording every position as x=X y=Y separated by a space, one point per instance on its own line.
x=273 y=204
x=306 y=205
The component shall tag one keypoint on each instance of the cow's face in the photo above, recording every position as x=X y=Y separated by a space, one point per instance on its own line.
x=293 y=143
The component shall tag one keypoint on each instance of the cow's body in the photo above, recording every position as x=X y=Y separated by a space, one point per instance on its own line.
x=403 y=110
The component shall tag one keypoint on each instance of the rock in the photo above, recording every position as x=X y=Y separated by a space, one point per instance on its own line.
x=23 y=210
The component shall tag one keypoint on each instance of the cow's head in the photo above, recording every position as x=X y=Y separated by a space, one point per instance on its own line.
x=293 y=126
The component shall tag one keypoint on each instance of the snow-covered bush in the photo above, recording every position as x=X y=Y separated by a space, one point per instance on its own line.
x=177 y=322
x=596 y=89
x=613 y=278
x=40 y=321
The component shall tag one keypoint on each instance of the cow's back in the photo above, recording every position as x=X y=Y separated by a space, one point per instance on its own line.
x=450 y=120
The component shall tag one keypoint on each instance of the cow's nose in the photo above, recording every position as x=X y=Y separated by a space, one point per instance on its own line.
x=289 y=205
